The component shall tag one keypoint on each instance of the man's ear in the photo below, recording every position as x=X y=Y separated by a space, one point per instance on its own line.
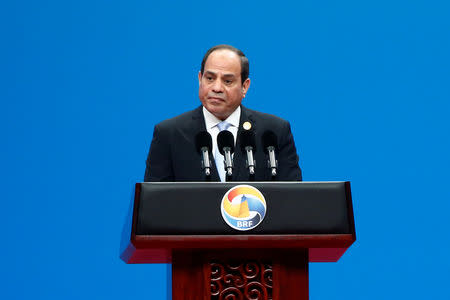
x=199 y=78
x=245 y=86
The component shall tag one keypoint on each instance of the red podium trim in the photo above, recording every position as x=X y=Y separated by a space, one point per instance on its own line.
x=158 y=249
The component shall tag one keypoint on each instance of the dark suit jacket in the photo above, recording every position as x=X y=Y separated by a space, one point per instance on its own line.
x=173 y=156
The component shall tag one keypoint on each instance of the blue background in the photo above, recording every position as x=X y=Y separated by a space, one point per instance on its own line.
x=365 y=85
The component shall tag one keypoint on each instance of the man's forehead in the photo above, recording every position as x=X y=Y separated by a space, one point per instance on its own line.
x=223 y=59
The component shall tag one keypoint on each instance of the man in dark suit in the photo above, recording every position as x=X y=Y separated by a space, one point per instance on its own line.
x=223 y=83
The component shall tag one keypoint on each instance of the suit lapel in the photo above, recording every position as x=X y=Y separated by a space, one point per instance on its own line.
x=239 y=159
x=198 y=121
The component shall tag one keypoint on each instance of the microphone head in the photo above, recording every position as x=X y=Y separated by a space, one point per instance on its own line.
x=247 y=139
x=269 y=138
x=203 y=139
x=225 y=139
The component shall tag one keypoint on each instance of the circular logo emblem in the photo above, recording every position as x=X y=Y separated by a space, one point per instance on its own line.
x=243 y=207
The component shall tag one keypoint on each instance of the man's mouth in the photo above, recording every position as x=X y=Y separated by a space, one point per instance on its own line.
x=216 y=99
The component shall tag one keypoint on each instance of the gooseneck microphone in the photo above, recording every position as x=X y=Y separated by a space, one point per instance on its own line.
x=248 y=146
x=203 y=143
x=225 y=143
x=270 y=144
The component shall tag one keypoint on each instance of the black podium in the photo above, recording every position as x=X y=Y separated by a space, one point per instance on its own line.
x=186 y=224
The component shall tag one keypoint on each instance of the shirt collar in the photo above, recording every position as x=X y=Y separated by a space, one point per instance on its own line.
x=211 y=120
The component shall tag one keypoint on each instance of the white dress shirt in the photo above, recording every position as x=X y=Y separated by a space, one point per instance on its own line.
x=211 y=122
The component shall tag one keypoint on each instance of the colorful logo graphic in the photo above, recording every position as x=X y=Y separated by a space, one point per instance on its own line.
x=243 y=207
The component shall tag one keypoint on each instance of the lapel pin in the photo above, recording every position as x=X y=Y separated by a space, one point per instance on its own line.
x=247 y=125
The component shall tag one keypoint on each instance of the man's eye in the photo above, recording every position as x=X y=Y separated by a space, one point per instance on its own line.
x=209 y=78
x=228 y=81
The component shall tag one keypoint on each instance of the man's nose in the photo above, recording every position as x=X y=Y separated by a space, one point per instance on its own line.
x=217 y=87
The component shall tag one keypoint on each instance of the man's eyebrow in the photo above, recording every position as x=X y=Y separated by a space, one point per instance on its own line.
x=227 y=75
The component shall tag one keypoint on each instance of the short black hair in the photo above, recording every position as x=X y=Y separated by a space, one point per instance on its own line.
x=245 y=68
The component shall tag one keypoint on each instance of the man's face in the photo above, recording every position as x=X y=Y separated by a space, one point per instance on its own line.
x=221 y=90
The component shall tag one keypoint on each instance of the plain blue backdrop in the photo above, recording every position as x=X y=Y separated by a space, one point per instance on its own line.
x=365 y=85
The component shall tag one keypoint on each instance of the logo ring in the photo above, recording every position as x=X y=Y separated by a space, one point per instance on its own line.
x=243 y=207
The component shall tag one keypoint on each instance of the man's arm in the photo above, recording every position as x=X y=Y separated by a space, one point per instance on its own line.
x=288 y=168
x=159 y=161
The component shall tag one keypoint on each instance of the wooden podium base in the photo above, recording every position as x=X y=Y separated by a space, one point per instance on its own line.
x=232 y=274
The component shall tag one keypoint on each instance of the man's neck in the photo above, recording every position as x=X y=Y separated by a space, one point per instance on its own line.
x=212 y=120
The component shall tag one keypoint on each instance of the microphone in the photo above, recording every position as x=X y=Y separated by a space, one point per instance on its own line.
x=225 y=142
x=248 y=146
x=269 y=141
x=203 y=143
